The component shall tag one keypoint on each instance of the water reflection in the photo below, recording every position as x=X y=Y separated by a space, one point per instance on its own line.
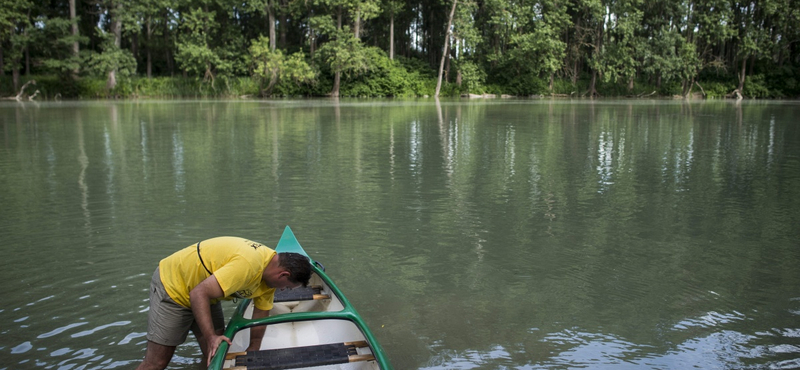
x=495 y=234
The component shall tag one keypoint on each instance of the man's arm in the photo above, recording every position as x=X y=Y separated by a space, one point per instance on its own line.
x=200 y=298
x=257 y=332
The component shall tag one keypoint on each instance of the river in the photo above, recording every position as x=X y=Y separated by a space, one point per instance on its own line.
x=470 y=234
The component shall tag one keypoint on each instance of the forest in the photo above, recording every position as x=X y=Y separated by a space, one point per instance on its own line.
x=55 y=49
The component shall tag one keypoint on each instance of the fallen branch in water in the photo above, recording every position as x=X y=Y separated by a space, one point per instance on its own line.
x=22 y=90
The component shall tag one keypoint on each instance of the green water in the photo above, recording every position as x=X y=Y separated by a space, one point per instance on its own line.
x=499 y=234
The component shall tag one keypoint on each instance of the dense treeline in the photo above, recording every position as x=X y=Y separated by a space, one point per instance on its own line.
x=400 y=47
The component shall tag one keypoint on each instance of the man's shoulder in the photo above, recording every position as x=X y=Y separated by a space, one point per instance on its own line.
x=234 y=242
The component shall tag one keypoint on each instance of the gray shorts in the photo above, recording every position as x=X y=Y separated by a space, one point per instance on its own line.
x=168 y=323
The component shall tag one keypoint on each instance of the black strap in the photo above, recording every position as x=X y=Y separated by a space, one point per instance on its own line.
x=201 y=259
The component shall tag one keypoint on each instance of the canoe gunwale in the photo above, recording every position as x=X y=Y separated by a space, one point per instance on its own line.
x=238 y=322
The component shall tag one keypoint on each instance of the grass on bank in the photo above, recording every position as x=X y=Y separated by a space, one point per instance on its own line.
x=392 y=78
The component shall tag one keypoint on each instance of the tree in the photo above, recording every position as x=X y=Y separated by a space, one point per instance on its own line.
x=113 y=61
x=536 y=47
x=14 y=22
x=58 y=46
x=270 y=65
x=194 y=52
x=392 y=7
x=344 y=54
x=113 y=53
x=73 y=18
x=623 y=45
x=362 y=10
x=446 y=47
x=593 y=12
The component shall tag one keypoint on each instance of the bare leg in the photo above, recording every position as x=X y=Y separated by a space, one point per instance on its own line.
x=157 y=356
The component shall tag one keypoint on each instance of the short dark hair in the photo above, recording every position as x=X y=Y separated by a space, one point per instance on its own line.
x=298 y=266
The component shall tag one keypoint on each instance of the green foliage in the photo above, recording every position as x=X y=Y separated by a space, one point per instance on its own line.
x=268 y=66
x=716 y=89
x=112 y=58
x=755 y=87
x=57 y=41
x=13 y=23
x=783 y=82
x=538 y=52
x=12 y=14
x=498 y=46
x=473 y=77
x=526 y=85
x=345 y=54
x=385 y=78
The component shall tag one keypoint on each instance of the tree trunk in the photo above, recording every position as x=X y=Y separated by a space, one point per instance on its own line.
x=357 y=25
x=15 y=75
x=149 y=57
x=111 y=82
x=447 y=67
x=445 y=49
x=168 y=54
x=75 y=46
x=391 y=36
x=336 y=78
x=271 y=20
x=135 y=45
x=311 y=38
x=742 y=75
x=284 y=24
x=27 y=58
x=116 y=29
x=273 y=80
x=27 y=48
x=592 y=84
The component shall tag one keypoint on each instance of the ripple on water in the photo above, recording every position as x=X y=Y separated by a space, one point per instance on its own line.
x=22 y=348
x=60 y=352
x=60 y=330
x=101 y=327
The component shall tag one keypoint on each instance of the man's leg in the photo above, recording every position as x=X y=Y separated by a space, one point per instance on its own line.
x=157 y=356
x=167 y=323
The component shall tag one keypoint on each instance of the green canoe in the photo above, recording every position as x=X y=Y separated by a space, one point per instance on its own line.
x=307 y=327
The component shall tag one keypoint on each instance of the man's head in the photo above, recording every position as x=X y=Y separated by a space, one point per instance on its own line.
x=293 y=270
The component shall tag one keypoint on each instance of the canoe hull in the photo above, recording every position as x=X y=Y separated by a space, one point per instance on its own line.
x=328 y=319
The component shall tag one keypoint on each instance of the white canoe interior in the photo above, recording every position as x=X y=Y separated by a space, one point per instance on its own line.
x=308 y=333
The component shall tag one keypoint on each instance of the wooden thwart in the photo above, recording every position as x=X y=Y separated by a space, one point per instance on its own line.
x=298 y=357
x=301 y=294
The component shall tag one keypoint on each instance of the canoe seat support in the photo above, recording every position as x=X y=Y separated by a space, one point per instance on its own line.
x=297 y=357
x=300 y=294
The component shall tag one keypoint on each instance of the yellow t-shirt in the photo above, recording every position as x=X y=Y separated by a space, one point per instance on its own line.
x=237 y=263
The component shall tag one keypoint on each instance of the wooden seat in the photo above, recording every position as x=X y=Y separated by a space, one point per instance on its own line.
x=300 y=294
x=298 y=357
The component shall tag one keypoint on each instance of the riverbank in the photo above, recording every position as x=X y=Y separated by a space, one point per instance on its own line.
x=47 y=87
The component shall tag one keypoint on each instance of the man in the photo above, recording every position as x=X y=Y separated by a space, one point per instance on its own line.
x=187 y=287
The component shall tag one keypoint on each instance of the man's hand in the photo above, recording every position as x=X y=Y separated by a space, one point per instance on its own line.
x=213 y=343
x=257 y=332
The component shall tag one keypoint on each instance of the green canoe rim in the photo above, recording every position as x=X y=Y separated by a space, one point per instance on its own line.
x=288 y=243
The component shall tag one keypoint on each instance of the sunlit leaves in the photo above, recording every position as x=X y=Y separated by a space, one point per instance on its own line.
x=345 y=54
x=113 y=58
x=271 y=65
